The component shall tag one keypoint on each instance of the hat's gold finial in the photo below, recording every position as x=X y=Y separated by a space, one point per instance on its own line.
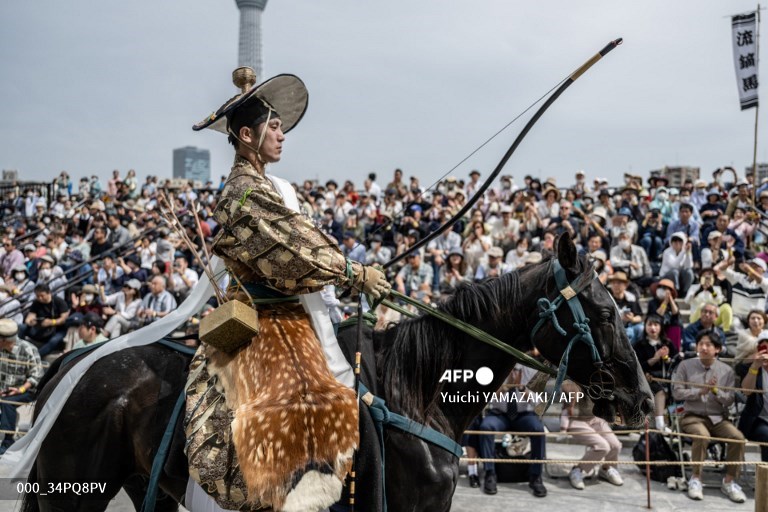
x=244 y=78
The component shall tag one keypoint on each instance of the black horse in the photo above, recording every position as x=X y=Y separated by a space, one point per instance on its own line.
x=111 y=427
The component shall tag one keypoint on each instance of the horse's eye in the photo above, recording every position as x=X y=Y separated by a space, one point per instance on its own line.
x=605 y=316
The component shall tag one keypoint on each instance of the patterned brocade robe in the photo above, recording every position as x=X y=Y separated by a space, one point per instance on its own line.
x=263 y=241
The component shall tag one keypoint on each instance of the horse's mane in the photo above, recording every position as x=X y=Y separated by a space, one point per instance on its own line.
x=422 y=348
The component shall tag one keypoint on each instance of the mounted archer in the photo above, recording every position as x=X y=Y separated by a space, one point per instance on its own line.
x=289 y=387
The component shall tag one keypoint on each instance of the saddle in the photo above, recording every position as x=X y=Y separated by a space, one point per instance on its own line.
x=268 y=426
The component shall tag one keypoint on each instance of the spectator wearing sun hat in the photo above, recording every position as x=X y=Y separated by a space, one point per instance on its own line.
x=631 y=312
x=493 y=267
x=663 y=304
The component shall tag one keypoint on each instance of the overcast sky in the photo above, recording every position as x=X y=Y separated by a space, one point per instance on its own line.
x=89 y=86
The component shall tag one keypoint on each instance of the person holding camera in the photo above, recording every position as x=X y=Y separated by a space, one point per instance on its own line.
x=754 y=376
x=652 y=234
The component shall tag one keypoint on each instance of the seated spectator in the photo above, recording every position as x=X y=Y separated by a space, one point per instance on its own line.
x=749 y=287
x=82 y=271
x=713 y=208
x=713 y=253
x=602 y=266
x=52 y=275
x=656 y=353
x=663 y=304
x=505 y=230
x=740 y=224
x=147 y=252
x=377 y=254
x=652 y=234
x=516 y=257
x=352 y=249
x=592 y=432
x=45 y=324
x=477 y=243
x=708 y=292
x=158 y=303
x=706 y=412
x=109 y=274
x=677 y=262
x=22 y=285
x=629 y=307
x=754 y=375
x=20 y=371
x=87 y=301
x=494 y=267
x=707 y=322
x=454 y=272
x=119 y=235
x=122 y=308
x=685 y=225
x=501 y=418
x=11 y=258
x=746 y=343
x=413 y=275
x=132 y=269
x=9 y=306
x=89 y=331
x=100 y=245
x=632 y=260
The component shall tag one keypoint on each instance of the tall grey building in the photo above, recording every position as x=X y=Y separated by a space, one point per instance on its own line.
x=249 y=53
x=192 y=163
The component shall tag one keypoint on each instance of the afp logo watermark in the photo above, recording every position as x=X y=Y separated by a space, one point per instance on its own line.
x=483 y=375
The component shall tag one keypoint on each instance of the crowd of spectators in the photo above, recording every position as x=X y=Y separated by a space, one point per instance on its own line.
x=82 y=263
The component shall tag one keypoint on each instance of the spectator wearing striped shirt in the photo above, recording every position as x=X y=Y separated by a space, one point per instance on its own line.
x=20 y=371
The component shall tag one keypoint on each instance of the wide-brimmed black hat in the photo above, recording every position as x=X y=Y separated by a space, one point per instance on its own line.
x=285 y=94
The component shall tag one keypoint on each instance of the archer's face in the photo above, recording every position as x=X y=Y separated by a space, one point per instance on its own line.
x=272 y=147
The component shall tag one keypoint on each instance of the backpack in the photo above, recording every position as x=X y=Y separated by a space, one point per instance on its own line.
x=659 y=450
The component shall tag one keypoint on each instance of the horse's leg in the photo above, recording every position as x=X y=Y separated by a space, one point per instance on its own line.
x=428 y=490
x=136 y=488
x=84 y=448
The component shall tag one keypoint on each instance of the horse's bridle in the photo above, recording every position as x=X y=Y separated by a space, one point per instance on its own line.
x=601 y=383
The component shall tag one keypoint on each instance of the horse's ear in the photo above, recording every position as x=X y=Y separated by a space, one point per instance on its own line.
x=566 y=253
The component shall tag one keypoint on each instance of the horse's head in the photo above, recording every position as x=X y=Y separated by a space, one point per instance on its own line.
x=609 y=373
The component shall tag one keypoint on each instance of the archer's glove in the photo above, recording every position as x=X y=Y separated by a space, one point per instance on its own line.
x=371 y=281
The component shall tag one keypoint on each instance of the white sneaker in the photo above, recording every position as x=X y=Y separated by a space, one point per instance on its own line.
x=611 y=475
x=695 y=491
x=733 y=491
x=576 y=478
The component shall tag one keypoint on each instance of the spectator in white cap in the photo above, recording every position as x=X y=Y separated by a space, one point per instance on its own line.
x=699 y=194
x=677 y=262
x=49 y=273
x=9 y=306
x=748 y=287
x=505 y=229
x=713 y=253
x=20 y=371
x=493 y=267
x=22 y=284
x=122 y=308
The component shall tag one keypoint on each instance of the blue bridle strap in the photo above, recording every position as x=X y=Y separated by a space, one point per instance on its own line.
x=569 y=294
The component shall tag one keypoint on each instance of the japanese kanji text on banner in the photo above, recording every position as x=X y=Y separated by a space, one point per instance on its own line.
x=744 y=33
